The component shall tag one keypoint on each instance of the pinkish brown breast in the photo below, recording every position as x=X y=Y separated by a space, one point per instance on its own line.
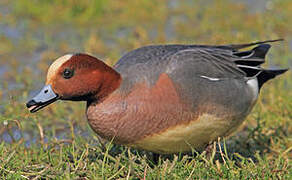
x=143 y=112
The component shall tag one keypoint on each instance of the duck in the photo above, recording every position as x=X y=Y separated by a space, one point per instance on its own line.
x=162 y=98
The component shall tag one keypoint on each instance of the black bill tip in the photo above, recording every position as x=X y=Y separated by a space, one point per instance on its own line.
x=32 y=106
x=30 y=103
x=45 y=97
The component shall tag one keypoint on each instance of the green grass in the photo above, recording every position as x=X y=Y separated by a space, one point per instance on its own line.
x=57 y=142
x=76 y=159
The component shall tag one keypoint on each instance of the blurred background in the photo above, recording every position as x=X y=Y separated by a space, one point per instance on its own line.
x=34 y=33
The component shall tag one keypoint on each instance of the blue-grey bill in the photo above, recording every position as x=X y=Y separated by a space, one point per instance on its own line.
x=45 y=97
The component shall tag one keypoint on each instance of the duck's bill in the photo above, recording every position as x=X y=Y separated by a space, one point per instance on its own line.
x=45 y=97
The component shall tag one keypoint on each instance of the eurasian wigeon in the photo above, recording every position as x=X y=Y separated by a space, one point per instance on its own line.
x=162 y=98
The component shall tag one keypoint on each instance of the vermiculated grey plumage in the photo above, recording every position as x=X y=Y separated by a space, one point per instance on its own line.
x=222 y=61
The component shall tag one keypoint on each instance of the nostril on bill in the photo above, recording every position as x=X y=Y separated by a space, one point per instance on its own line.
x=30 y=103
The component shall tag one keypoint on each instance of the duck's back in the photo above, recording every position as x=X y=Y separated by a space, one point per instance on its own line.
x=147 y=63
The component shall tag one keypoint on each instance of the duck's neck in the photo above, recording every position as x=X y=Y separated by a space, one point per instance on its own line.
x=111 y=80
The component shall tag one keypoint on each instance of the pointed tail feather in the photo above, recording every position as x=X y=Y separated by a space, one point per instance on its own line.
x=268 y=74
x=241 y=46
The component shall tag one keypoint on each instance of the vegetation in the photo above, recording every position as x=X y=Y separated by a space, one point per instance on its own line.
x=57 y=143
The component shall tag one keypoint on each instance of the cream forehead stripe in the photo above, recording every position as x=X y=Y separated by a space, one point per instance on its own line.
x=56 y=65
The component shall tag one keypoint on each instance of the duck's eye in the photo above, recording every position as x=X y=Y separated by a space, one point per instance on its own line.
x=68 y=73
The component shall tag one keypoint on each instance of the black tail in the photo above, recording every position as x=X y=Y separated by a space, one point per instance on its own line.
x=267 y=74
x=250 y=61
x=253 y=57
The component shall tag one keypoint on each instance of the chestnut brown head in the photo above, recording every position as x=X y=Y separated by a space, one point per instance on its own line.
x=78 y=77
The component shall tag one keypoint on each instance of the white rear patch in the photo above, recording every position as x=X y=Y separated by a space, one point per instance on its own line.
x=56 y=65
x=254 y=86
x=210 y=78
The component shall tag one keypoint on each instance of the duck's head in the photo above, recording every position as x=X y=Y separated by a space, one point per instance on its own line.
x=76 y=77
